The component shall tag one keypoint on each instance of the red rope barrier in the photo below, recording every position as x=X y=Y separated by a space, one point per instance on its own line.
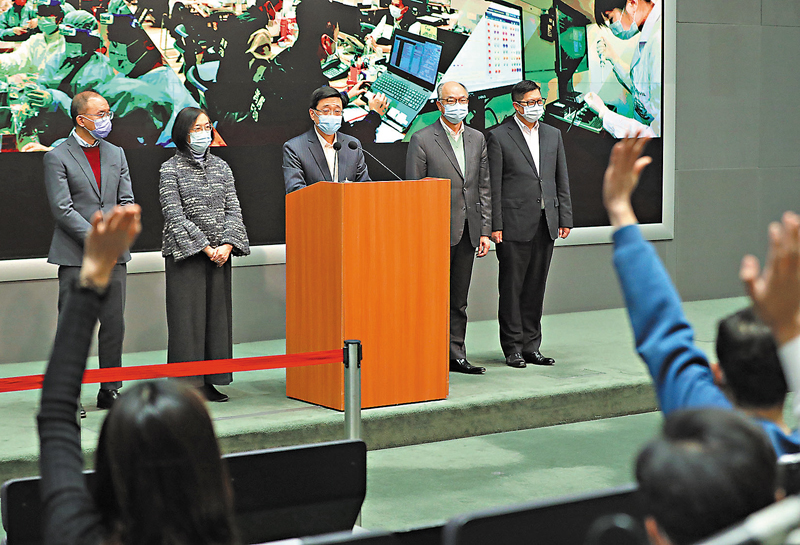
x=183 y=369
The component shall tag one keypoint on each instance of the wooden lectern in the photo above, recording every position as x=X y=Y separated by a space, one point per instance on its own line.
x=370 y=261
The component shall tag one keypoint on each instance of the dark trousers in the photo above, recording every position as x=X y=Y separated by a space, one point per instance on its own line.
x=199 y=314
x=112 y=316
x=462 y=257
x=521 y=281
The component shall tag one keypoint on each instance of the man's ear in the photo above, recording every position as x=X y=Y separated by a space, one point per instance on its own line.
x=654 y=532
x=717 y=373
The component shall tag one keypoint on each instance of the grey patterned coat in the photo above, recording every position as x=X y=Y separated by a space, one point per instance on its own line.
x=200 y=207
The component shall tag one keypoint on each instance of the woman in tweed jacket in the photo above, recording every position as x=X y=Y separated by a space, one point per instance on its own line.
x=203 y=227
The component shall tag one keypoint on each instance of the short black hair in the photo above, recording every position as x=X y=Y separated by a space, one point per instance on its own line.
x=748 y=356
x=322 y=93
x=184 y=122
x=603 y=6
x=79 y=101
x=47 y=10
x=709 y=469
x=523 y=88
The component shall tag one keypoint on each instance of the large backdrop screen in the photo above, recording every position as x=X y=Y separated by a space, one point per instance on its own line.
x=253 y=65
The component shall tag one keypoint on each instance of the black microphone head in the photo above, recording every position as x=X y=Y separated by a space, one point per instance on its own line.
x=352 y=144
x=337 y=146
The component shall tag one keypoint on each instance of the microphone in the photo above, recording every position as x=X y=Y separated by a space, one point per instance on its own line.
x=336 y=147
x=353 y=146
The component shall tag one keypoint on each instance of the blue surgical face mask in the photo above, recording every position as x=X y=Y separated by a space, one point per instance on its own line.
x=329 y=124
x=102 y=127
x=48 y=25
x=532 y=114
x=199 y=142
x=620 y=32
x=455 y=113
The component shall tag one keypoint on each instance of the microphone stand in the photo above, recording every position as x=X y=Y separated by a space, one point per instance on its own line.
x=353 y=146
x=336 y=147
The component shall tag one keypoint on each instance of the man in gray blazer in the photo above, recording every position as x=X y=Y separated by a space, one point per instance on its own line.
x=449 y=149
x=82 y=175
x=532 y=207
x=323 y=153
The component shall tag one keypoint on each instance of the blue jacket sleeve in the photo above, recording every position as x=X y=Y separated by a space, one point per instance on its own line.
x=664 y=338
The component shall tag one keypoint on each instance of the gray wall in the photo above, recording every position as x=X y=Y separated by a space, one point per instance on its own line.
x=737 y=168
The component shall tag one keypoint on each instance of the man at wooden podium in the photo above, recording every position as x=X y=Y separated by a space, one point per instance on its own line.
x=451 y=150
x=323 y=153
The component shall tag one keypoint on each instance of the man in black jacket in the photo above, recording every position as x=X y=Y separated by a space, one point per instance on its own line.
x=531 y=207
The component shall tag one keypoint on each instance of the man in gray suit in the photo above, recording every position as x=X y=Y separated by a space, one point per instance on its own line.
x=532 y=207
x=449 y=149
x=323 y=153
x=82 y=175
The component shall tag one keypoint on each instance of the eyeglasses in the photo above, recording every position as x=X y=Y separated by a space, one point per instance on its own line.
x=326 y=111
x=201 y=128
x=101 y=115
x=524 y=103
x=450 y=101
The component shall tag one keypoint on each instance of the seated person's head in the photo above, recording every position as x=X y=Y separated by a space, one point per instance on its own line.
x=397 y=9
x=709 y=469
x=607 y=12
x=160 y=478
x=749 y=369
x=50 y=14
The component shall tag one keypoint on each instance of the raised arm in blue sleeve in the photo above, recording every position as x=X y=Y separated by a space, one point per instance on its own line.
x=664 y=338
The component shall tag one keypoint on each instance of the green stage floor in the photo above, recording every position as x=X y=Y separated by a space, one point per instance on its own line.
x=597 y=376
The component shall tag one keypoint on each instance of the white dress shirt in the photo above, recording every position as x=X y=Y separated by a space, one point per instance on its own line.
x=330 y=155
x=531 y=137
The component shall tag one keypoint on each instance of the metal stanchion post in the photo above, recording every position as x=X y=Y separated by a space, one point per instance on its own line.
x=352 y=394
x=352 y=389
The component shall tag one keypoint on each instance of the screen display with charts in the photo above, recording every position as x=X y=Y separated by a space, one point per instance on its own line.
x=492 y=55
x=416 y=57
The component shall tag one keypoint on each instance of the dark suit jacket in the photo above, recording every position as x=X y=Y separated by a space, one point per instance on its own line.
x=517 y=187
x=430 y=155
x=304 y=161
x=74 y=197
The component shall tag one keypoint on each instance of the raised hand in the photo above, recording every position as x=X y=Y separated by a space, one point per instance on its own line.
x=109 y=237
x=775 y=291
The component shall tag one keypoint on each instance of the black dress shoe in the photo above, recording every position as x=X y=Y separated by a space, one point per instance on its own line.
x=515 y=360
x=212 y=394
x=463 y=366
x=106 y=398
x=536 y=358
x=82 y=410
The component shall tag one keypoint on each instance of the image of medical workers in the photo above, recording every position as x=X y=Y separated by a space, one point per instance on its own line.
x=31 y=56
x=400 y=16
x=18 y=22
x=640 y=21
x=81 y=67
x=132 y=53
